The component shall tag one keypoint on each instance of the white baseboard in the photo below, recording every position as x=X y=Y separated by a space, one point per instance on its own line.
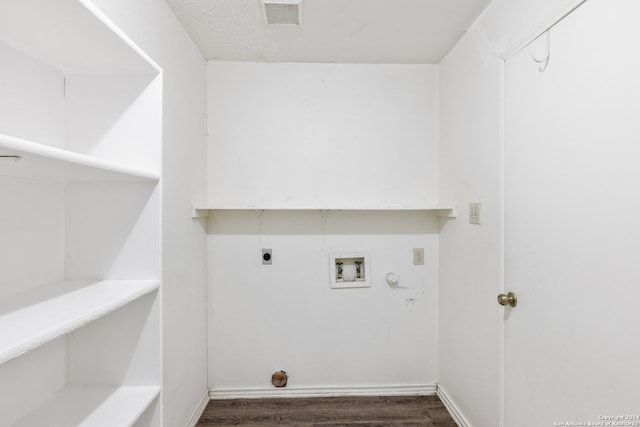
x=197 y=413
x=407 y=390
x=455 y=413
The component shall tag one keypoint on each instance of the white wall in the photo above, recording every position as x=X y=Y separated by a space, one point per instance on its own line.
x=285 y=316
x=39 y=204
x=322 y=134
x=469 y=254
x=507 y=25
x=32 y=93
x=152 y=26
x=470 y=128
x=30 y=380
x=103 y=115
x=126 y=245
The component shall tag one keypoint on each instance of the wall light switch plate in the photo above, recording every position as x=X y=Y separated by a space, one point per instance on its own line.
x=474 y=213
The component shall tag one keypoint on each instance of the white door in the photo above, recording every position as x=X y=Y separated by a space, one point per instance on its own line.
x=572 y=222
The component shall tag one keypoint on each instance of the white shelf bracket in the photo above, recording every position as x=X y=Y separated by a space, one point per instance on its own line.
x=199 y=213
x=447 y=213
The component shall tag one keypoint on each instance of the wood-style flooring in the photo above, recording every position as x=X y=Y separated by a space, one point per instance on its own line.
x=423 y=411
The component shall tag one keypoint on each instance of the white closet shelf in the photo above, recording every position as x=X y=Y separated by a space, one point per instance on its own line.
x=42 y=161
x=73 y=36
x=203 y=211
x=36 y=317
x=92 y=407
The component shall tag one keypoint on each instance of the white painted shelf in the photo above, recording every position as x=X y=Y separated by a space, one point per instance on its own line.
x=33 y=318
x=73 y=36
x=42 y=161
x=203 y=211
x=92 y=407
x=80 y=104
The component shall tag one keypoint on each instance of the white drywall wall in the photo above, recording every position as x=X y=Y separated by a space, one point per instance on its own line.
x=285 y=316
x=470 y=128
x=33 y=98
x=506 y=25
x=103 y=114
x=151 y=25
x=132 y=359
x=322 y=134
x=469 y=254
x=29 y=380
x=119 y=247
x=31 y=255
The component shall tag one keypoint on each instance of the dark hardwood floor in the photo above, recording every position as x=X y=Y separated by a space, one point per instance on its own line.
x=424 y=411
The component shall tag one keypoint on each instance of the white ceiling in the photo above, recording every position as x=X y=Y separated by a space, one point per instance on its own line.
x=349 y=31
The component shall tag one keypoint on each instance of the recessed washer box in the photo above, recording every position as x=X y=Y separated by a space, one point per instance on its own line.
x=349 y=270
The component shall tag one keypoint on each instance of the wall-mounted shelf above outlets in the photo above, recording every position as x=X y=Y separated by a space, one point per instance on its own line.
x=203 y=211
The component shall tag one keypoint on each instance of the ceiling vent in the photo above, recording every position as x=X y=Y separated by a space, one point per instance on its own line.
x=283 y=12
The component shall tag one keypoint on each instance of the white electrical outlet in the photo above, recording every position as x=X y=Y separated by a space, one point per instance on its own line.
x=418 y=256
x=474 y=213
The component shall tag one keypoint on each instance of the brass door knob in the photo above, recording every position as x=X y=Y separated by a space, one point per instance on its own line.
x=508 y=299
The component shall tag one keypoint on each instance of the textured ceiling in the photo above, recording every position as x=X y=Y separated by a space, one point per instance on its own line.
x=360 y=31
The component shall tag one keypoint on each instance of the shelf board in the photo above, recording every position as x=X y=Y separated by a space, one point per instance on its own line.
x=33 y=318
x=42 y=161
x=203 y=211
x=73 y=36
x=92 y=407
